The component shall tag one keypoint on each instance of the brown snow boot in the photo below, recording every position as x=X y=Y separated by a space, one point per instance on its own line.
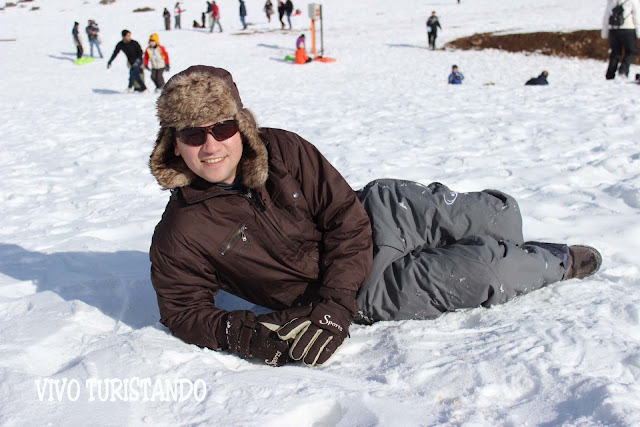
x=583 y=262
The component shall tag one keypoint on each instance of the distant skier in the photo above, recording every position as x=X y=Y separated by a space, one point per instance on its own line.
x=456 y=77
x=156 y=59
x=77 y=41
x=432 y=29
x=243 y=13
x=541 y=80
x=133 y=51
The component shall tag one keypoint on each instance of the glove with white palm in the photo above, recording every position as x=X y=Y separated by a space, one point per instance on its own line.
x=317 y=336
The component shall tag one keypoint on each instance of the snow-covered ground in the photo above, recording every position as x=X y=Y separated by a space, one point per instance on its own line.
x=78 y=208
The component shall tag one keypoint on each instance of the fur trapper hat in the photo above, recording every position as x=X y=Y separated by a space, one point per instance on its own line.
x=198 y=95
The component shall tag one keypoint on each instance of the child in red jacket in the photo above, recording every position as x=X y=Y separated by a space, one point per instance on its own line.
x=159 y=59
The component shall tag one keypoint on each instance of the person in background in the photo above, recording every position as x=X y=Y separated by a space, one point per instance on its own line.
x=215 y=16
x=281 y=13
x=538 y=81
x=432 y=29
x=268 y=10
x=156 y=59
x=167 y=19
x=301 y=51
x=622 y=28
x=92 y=31
x=243 y=13
x=177 y=15
x=262 y=214
x=133 y=51
x=77 y=41
x=206 y=13
x=456 y=77
x=288 y=8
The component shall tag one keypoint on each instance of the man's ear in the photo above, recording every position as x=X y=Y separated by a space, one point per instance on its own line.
x=176 y=150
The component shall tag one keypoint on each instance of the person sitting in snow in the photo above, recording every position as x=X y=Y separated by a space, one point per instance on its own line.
x=538 y=81
x=301 y=51
x=456 y=77
x=260 y=213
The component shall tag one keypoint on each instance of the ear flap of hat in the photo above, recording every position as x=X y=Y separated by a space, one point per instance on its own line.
x=254 y=165
x=170 y=170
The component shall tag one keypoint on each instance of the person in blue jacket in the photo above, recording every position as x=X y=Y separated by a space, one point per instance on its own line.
x=456 y=77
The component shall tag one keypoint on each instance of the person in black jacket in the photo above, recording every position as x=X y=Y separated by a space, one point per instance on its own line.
x=538 y=81
x=76 y=40
x=132 y=49
x=432 y=29
x=281 y=13
x=288 y=8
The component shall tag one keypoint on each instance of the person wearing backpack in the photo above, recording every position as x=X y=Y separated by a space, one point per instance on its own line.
x=621 y=25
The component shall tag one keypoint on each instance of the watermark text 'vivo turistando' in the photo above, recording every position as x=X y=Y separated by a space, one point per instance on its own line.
x=133 y=389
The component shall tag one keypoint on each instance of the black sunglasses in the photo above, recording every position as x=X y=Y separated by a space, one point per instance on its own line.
x=198 y=135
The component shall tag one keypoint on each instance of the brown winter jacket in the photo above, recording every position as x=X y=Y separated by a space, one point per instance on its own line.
x=300 y=237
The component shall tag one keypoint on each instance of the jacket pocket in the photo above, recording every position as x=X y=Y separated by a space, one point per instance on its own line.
x=237 y=236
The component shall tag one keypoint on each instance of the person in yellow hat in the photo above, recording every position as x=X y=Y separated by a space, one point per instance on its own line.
x=156 y=59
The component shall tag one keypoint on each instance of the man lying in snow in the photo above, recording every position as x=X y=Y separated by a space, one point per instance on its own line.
x=261 y=214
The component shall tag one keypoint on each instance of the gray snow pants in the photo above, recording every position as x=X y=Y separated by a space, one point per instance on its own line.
x=436 y=250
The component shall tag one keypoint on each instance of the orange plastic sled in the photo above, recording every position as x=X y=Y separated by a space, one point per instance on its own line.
x=324 y=59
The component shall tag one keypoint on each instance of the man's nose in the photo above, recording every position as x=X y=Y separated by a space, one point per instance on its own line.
x=211 y=144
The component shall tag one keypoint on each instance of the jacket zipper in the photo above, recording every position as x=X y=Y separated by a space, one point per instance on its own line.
x=240 y=233
x=260 y=209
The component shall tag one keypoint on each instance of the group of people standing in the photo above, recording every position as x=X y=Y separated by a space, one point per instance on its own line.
x=92 y=31
x=284 y=8
x=177 y=16
x=212 y=13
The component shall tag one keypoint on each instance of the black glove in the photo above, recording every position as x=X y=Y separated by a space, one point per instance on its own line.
x=108 y=64
x=317 y=336
x=243 y=334
x=166 y=68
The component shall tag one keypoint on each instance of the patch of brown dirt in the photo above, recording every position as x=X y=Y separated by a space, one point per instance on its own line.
x=585 y=44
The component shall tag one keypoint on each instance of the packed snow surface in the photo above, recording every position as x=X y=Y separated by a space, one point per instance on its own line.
x=79 y=330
